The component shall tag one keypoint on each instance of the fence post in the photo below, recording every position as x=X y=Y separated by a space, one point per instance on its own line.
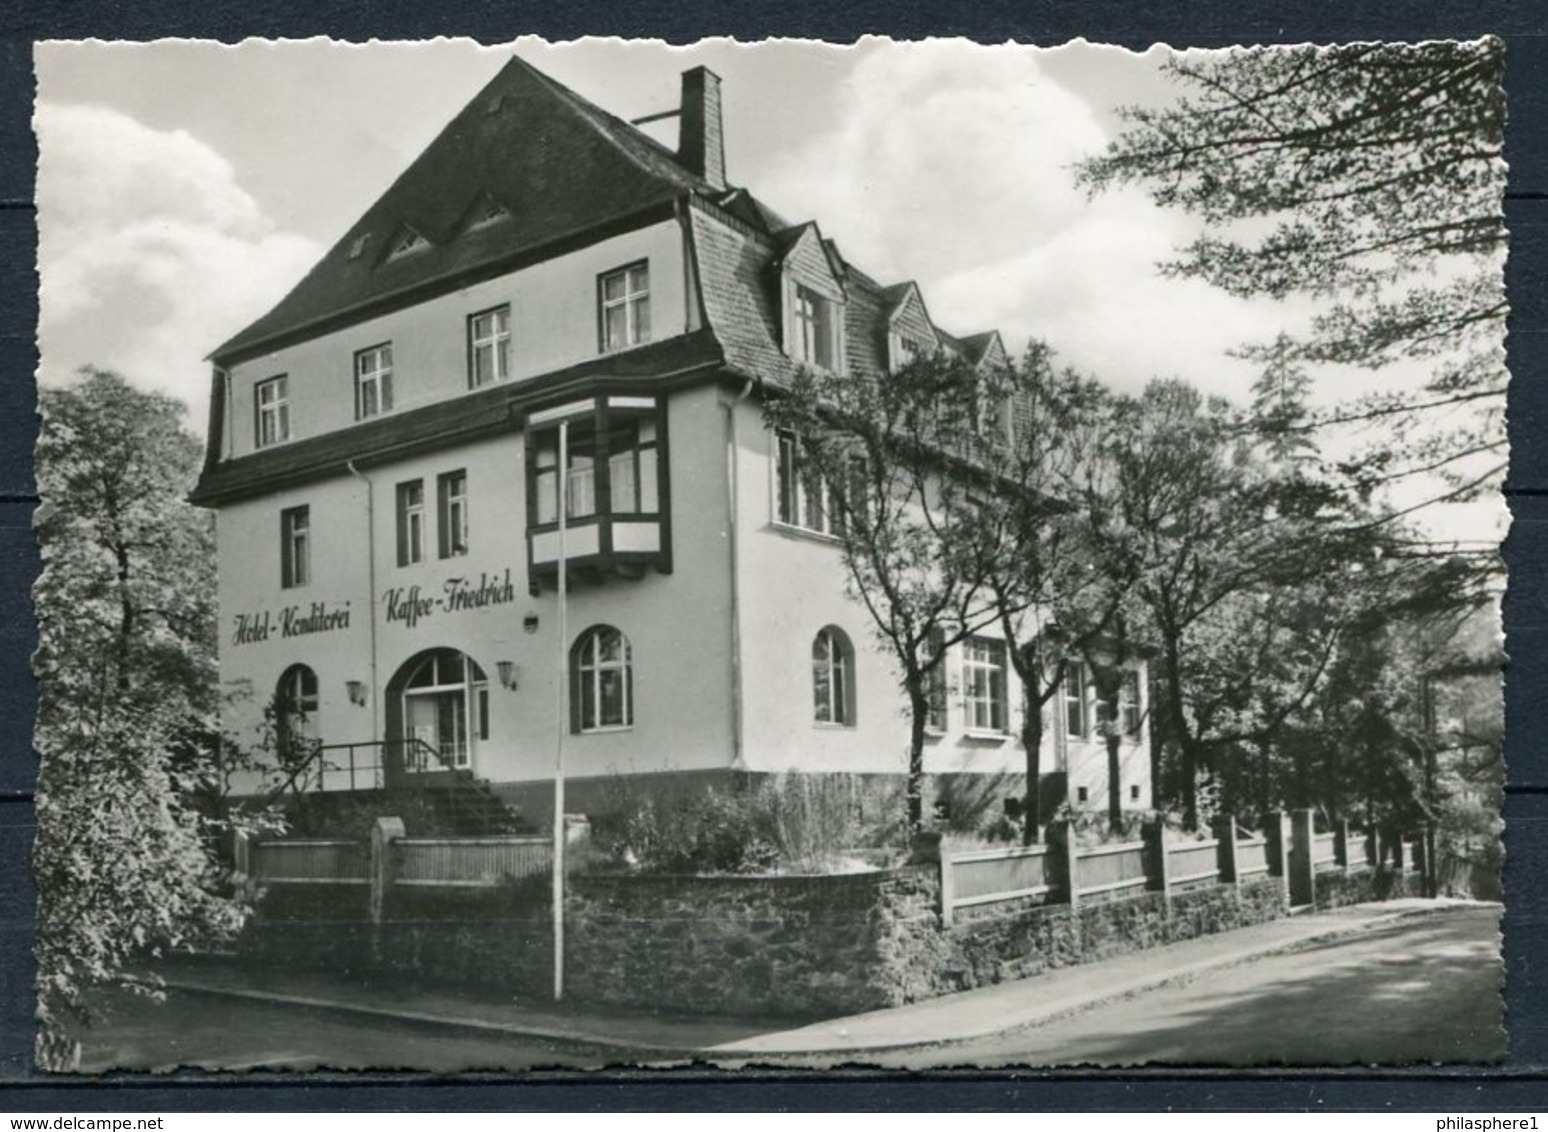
x=1158 y=871
x=1061 y=845
x=1341 y=845
x=1225 y=849
x=1303 y=888
x=1421 y=861
x=1397 y=854
x=1276 y=828
x=383 y=864
x=948 y=887
x=1373 y=848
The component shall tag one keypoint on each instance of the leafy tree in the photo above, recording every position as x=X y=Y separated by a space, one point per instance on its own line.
x=1061 y=567
x=1368 y=177
x=127 y=693
x=893 y=461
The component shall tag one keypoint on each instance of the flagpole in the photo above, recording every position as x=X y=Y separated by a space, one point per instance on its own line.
x=564 y=702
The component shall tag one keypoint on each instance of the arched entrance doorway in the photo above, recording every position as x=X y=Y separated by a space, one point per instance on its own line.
x=438 y=706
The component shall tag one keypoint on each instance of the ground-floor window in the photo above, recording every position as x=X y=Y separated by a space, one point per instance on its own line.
x=833 y=677
x=295 y=711
x=983 y=684
x=445 y=710
x=601 y=680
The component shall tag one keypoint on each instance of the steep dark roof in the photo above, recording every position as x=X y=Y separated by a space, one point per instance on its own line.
x=559 y=164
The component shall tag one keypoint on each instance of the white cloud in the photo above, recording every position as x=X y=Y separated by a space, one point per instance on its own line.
x=150 y=254
x=952 y=165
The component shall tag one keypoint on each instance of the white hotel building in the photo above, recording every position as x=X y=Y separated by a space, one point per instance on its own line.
x=383 y=460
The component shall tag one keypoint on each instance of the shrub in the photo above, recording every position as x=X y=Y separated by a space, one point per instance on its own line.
x=785 y=823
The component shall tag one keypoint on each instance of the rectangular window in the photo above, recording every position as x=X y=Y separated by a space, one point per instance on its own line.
x=373 y=381
x=295 y=547
x=451 y=491
x=489 y=347
x=272 y=400
x=624 y=302
x=983 y=684
x=1129 y=704
x=411 y=522
x=1082 y=794
x=806 y=499
x=1075 y=725
x=813 y=328
x=632 y=471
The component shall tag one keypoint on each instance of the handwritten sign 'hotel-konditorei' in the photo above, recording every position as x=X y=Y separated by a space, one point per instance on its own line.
x=252 y=628
x=407 y=605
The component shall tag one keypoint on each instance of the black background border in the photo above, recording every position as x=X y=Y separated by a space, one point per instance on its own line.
x=1521 y=1083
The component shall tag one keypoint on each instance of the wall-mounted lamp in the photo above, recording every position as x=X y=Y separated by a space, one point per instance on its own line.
x=530 y=623
x=508 y=674
x=357 y=692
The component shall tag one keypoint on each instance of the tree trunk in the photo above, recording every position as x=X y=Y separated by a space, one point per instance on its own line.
x=1186 y=748
x=919 y=705
x=1032 y=743
x=125 y=616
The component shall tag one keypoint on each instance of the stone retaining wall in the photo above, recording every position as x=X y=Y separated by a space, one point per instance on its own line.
x=792 y=946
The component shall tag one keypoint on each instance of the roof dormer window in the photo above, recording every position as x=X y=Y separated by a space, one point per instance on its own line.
x=814 y=321
x=812 y=295
x=407 y=243
x=489 y=211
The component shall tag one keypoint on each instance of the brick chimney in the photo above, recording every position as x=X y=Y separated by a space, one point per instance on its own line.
x=700 y=145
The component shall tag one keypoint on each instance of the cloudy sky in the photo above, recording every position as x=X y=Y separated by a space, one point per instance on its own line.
x=184 y=187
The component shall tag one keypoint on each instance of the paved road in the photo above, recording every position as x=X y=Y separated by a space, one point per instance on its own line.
x=225 y=1033
x=1425 y=988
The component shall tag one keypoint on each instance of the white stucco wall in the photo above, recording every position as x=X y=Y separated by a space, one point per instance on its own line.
x=792 y=584
x=678 y=625
x=553 y=325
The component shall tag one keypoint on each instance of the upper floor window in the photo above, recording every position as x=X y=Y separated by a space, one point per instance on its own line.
x=407 y=243
x=295 y=546
x=1074 y=695
x=833 y=677
x=411 y=522
x=489 y=346
x=632 y=470
x=452 y=509
x=814 y=328
x=624 y=315
x=373 y=381
x=272 y=400
x=983 y=684
x=808 y=499
x=601 y=681
x=631 y=465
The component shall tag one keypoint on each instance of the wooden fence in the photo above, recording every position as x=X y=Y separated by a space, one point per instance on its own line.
x=991 y=875
x=1057 y=872
x=470 y=862
x=1325 y=855
x=309 y=862
x=1109 y=868
x=1252 y=857
x=1193 y=862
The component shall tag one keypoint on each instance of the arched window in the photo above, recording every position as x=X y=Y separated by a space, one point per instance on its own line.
x=833 y=677
x=601 y=680
x=445 y=708
x=295 y=708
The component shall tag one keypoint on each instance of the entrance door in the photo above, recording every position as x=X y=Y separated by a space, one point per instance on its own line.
x=444 y=702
